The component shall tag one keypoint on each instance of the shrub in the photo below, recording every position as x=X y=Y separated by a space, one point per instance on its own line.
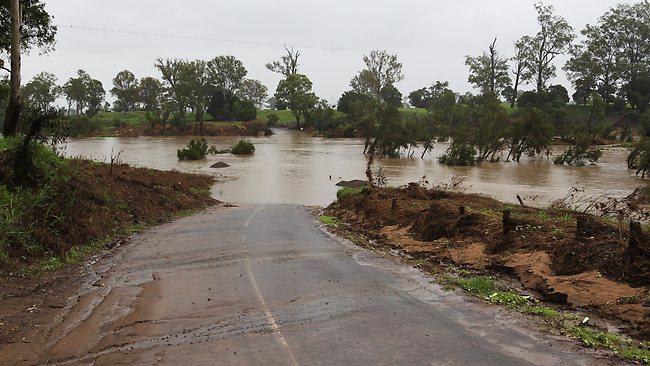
x=243 y=147
x=196 y=150
x=347 y=192
x=458 y=154
x=244 y=110
x=272 y=119
x=82 y=125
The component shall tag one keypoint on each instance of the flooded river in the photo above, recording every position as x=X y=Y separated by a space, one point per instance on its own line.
x=292 y=167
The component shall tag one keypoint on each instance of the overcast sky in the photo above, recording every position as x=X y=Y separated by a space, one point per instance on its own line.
x=430 y=37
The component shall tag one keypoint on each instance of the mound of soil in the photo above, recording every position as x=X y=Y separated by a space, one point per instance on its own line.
x=566 y=256
x=99 y=200
x=219 y=164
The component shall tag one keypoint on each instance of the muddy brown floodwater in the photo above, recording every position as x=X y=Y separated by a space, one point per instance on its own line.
x=293 y=167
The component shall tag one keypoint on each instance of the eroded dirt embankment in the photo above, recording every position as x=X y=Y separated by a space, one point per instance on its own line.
x=98 y=204
x=567 y=257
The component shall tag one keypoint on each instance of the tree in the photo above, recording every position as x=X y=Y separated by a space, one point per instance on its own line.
x=391 y=96
x=381 y=70
x=288 y=64
x=150 y=93
x=520 y=72
x=530 y=133
x=195 y=82
x=489 y=72
x=42 y=91
x=126 y=90
x=296 y=92
x=353 y=104
x=539 y=51
x=23 y=24
x=628 y=27
x=419 y=98
x=170 y=70
x=253 y=91
x=86 y=93
x=36 y=29
x=593 y=64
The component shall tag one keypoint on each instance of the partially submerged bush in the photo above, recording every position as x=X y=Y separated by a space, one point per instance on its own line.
x=576 y=155
x=243 y=147
x=459 y=154
x=196 y=150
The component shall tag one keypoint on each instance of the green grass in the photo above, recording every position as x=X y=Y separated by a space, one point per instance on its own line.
x=286 y=117
x=346 y=192
x=486 y=287
x=330 y=220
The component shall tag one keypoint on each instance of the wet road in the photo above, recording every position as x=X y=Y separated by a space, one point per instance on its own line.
x=263 y=285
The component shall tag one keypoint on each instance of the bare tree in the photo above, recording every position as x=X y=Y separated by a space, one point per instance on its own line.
x=288 y=64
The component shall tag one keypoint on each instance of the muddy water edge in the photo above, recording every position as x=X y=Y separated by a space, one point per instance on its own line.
x=293 y=167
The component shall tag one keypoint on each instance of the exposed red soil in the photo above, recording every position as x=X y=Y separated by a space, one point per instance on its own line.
x=567 y=257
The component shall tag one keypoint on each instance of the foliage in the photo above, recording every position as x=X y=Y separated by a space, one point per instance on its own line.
x=639 y=158
x=243 y=147
x=481 y=286
x=348 y=192
x=329 y=220
x=577 y=154
x=244 y=110
x=272 y=119
x=554 y=38
x=126 y=90
x=459 y=154
x=41 y=91
x=86 y=93
x=382 y=69
x=295 y=92
x=531 y=133
x=37 y=29
x=82 y=126
x=489 y=72
x=288 y=64
x=150 y=93
x=196 y=150
x=253 y=91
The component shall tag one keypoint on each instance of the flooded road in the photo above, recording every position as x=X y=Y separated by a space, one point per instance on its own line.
x=292 y=167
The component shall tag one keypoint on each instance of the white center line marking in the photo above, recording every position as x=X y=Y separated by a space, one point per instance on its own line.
x=277 y=333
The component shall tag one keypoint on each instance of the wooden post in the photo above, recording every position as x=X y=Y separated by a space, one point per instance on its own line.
x=393 y=204
x=507 y=222
x=461 y=210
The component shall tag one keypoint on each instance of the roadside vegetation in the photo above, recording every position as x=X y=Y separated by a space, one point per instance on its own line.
x=541 y=262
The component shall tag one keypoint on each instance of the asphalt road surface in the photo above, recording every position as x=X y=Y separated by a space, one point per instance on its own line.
x=264 y=285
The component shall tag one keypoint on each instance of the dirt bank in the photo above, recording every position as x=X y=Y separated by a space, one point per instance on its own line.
x=566 y=257
x=253 y=128
x=99 y=204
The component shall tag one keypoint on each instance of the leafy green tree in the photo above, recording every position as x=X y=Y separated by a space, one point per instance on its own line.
x=391 y=96
x=420 y=98
x=86 y=93
x=639 y=158
x=244 y=110
x=288 y=64
x=226 y=74
x=176 y=90
x=150 y=93
x=593 y=64
x=353 y=104
x=628 y=26
x=539 y=51
x=126 y=90
x=42 y=91
x=254 y=91
x=382 y=69
x=520 y=72
x=489 y=71
x=23 y=25
x=638 y=92
x=296 y=92
x=197 y=84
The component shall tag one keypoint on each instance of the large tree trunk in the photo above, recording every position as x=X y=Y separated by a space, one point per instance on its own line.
x=13 y=108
